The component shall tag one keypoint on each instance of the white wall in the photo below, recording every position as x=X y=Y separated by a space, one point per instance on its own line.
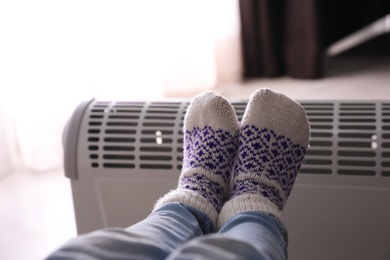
x=55 y=54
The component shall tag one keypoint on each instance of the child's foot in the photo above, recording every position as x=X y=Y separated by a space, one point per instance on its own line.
x=273 y=140
x=210 y=146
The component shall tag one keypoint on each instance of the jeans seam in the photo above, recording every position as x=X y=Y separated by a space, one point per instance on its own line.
x=207 y=224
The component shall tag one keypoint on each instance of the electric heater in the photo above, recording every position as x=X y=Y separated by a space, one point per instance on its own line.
x=122 y=156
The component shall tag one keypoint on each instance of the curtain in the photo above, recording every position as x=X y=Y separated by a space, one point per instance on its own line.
x=56 y=54
x=289 y=37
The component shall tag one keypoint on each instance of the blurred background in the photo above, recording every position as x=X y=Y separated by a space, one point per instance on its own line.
x=56 y=54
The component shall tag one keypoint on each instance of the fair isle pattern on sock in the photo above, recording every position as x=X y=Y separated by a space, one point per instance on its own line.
x=211 y=131
x=212 y=151
x=267 y=164
x=274 y=136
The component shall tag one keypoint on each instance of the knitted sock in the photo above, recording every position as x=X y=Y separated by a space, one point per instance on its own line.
x=273 y=140
x=211 y=133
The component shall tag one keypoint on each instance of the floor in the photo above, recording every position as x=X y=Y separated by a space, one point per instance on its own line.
x=36 y=211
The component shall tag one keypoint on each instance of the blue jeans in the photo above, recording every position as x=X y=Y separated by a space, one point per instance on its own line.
x=178 y=231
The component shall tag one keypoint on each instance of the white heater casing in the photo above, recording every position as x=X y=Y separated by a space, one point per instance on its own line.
x=122 y=156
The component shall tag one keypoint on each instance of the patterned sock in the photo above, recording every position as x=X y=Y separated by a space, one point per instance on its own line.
x=273 y=140
x=211 y=132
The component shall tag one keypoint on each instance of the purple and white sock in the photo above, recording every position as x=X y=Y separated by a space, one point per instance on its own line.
x=211 y=133
x=274 y=137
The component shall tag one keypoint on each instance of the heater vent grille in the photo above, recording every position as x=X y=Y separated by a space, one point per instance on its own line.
x=319 y=159
x=347 y=138
x=132 y=135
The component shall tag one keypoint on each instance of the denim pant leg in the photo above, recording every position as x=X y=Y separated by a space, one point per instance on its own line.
x=153 y=238
x=248 y=235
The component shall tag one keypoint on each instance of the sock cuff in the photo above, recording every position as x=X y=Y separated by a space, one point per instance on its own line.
x=247 y=202
x=190 y=198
